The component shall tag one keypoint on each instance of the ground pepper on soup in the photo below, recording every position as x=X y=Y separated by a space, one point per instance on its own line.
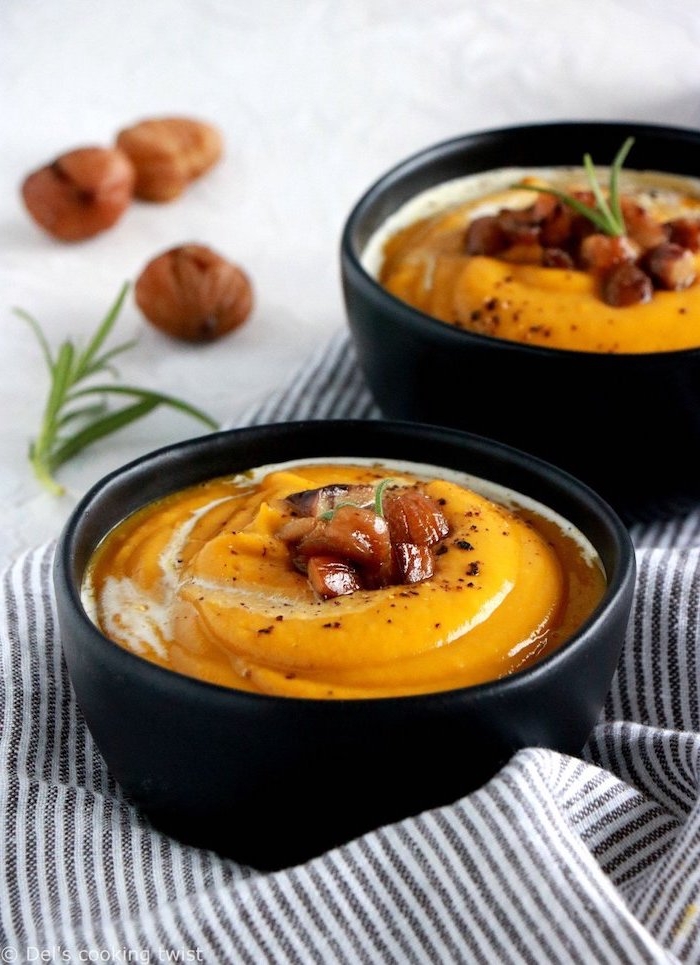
x=343 y=580
x=499 y=254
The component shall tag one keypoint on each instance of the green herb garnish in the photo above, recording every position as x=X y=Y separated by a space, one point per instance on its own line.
x=378 y=502
x=379 y=496
x=607 y=214
x=68 y=425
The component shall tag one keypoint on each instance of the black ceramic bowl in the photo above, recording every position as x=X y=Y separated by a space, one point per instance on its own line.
x=274 y=780
x=629 y=425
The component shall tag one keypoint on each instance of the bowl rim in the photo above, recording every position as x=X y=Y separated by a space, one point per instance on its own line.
x=354 y=272
x=618 y=592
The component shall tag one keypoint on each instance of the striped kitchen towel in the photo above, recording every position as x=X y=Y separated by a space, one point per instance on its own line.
x=558 y=859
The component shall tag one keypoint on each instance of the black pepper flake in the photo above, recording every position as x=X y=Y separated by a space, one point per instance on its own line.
x=473 y=569
x=332 y=625
x=266 y=629
x=463 y=544
x=279 y=617
x=441 y=550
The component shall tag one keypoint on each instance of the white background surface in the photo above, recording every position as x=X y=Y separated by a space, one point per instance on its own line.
x=315 y=99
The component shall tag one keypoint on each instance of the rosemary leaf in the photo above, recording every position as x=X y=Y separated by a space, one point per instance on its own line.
x=41 y=338
x=607 y=214
x=615 y=181
x=62 y=376
x=69 y=371
x=97 y=429
x=379 y=496
x=84 y=412
x=602 y=204
x=87 y=362
x=581 y=207
x=148 y=395
x=103 y=364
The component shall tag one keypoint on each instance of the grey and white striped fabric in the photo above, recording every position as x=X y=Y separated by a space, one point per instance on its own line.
x=556 y=860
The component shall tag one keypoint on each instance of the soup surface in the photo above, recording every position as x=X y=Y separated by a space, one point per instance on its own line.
x=343 y=580
x=525 y=294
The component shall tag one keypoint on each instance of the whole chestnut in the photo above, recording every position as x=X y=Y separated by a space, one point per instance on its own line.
x=168 y=153
x=192 y=293
x=81 y=193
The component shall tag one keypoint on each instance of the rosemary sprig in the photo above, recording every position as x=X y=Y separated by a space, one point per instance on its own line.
x=607 y=214
x=69 y=425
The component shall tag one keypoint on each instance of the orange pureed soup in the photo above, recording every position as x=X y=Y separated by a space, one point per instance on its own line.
x=420 y=256
x=343 y=580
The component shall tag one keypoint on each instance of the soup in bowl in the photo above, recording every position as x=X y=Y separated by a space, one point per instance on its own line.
x=343 y=580
x=284 y=636
x=540 y=285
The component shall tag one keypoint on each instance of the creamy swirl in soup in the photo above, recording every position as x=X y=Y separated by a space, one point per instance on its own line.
x=343 y=580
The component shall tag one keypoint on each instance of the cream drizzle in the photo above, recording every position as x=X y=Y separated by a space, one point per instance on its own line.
x=142 y=622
